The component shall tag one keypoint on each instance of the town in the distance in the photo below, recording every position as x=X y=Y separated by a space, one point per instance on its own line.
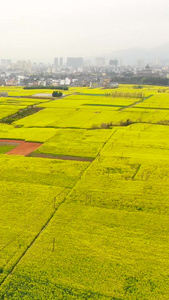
x=76 y=71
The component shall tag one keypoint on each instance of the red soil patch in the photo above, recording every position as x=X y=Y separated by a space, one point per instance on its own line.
x=22 y=148
x=11 y=141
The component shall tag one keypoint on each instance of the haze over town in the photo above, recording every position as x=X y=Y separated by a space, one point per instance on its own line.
x=39 y=30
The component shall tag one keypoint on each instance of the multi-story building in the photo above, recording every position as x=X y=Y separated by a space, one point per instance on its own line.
x=61 y=61
x=113 y=62
x=100 y=62
x=87 y=63
x=3 y=63
x=75 y=62
x=8 y=63
x=56 y=62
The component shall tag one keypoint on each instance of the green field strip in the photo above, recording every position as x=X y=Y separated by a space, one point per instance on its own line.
x=106 y=105
x=62 y=157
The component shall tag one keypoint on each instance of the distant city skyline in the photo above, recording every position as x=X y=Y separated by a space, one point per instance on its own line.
x=40 y=31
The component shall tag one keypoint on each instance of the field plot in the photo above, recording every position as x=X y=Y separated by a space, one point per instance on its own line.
x=158 y=101
x=46 y=117
x=140 y=115
x=79 y=112
x=22 y=92
x=20 y=101
x=125 y=175
x=75 y=142
x=92 y=253
x=144 y=142
x=96 y=229
x=27 y=134
x=80 y=118
x=91 y=100
x=30 y=191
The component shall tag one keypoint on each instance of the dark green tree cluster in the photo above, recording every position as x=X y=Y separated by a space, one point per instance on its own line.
x=64 y=88
x=57 y=94
x=149 y=80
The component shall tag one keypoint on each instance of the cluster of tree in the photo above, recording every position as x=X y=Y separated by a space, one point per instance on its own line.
x=149 y=80
x=20 y=114
x=137 y=87
x=162 y=91
x=57 y=94
x=125 y=95
x=65 y=88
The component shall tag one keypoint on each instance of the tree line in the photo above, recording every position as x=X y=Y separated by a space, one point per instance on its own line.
x=149 y=80
x=65 y=88
x=125 y=95
x=57 y=94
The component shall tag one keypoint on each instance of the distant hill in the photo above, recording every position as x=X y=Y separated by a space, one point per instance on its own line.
x=131 y=56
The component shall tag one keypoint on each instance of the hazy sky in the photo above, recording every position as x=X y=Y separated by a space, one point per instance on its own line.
x=40 y=30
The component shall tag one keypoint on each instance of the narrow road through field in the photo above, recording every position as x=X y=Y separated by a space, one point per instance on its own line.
x=135 y=103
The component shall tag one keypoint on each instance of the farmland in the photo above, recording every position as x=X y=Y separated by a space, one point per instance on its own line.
x=87 y=229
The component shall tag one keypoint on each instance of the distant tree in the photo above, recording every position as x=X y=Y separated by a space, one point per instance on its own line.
x=38 y=87
x=57 y=94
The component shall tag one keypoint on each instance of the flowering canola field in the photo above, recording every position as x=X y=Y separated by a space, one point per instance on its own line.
x=95 y=229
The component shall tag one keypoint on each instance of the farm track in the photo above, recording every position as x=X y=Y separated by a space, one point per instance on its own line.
x=124 y=107
x=51 y=217
x=63 y=157
x=39 y=97
x=135 y=103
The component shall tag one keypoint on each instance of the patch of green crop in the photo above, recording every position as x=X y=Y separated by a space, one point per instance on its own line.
x=5 y=149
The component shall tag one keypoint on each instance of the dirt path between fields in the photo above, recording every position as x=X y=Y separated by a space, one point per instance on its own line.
x=135 y=103
x=63 y=157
